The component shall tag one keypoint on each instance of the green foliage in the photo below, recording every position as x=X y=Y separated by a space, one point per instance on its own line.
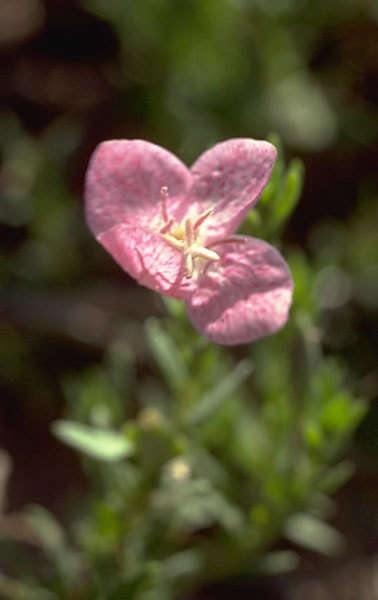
x=166 y=354
x=221 y=457
x=310 y=532
x=211 y=401
x=99 y=443
x=279 y=198
x=199 y=466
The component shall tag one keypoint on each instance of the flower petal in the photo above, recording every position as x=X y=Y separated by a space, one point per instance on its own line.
x=245 y=295
x=230 y=177
x=145 y=256
x=124 y=182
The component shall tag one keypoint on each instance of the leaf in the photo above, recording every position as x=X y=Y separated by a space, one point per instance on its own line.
x=137 y=586
x=186 y=563
x=50 y=532
x=288 y=199
x=337 y=476
x=280 y=561
x=165 y=353
x=273 y=187
x=342 y=413
x=195 y=504
x=303 y=277
x=312 y=533
x=129 y=588
x=99 y=443
x=16 y=590
x=174 y=307
x=53 y=540
x=211 y=401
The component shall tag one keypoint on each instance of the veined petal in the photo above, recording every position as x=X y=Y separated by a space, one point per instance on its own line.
x=230 y=177
x=245 y=295
x=124 y=181
x=144 y=255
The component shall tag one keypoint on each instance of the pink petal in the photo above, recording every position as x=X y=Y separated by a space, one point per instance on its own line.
x=124 y=182
x=144 y=255
x=230 y=177
x=245 y=295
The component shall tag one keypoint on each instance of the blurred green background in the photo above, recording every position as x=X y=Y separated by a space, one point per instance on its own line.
x=186 y=74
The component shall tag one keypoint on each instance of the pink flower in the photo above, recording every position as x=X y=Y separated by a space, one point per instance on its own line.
x=172 y=229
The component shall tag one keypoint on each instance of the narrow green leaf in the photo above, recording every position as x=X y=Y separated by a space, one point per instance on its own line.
x=280 y=561
x=211 y=401
x=303 y=277
x=139 y=585
x=174 y=307
x=310 y=532
x=16 y=590
x=183 y=564
x=254 y=219
x=342 y=413
x=50 y=532
x=99 y=443
x=165 y=353
x=337 y=476
x=272 y=190
x=52 y=538
x=292 y=189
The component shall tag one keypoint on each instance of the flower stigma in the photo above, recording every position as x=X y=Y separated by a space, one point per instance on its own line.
x=185 y=238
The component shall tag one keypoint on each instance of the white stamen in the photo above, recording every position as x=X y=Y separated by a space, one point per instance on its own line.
x=188 y=232
x=205 y=253
x=164 y=197
x=184 y=237
x=202 y=218
x=189 y=266
x=178 y=244
x=167 y=226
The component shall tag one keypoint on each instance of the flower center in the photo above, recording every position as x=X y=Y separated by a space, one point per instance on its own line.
x=185 y=238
